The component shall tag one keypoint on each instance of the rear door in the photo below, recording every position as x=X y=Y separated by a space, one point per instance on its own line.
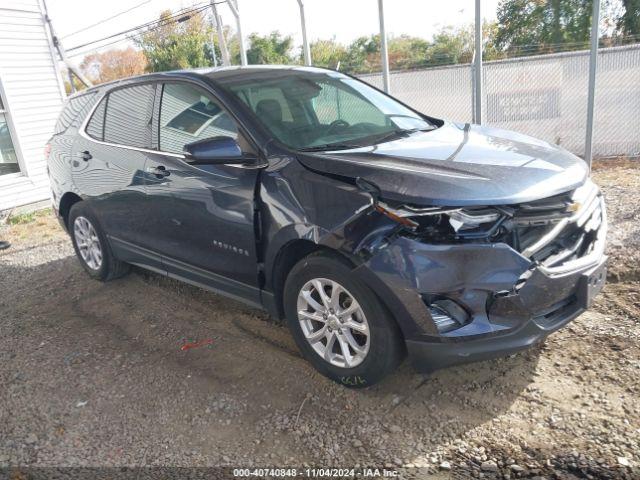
x=72 y=116
x=202 y=215
x=108 y=165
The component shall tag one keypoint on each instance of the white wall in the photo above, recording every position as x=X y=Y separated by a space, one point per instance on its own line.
x=33 y=94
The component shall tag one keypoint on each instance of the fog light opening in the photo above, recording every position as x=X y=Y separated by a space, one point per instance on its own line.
x=447 y=315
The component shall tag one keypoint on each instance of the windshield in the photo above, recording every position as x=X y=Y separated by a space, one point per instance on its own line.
x=319 y=111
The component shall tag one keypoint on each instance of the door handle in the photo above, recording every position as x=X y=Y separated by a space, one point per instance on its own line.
x=160 y=171
x=86 y=155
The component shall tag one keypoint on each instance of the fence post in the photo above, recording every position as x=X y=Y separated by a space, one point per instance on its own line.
x=233 y=6
x=305 y=41
x=383 y=50
x=221 y=41
x=593 y=64
x=477 y=71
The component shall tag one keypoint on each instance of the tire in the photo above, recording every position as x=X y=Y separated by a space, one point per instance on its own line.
x=82 y=220
x=383 y=350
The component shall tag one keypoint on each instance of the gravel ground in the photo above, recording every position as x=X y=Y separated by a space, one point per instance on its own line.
x=93 y=374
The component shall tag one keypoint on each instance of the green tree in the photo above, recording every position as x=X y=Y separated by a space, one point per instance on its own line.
x=176 y=44
x=629 y=22
x=538 y=26
x=328 y=54
x=451 y=45
x=270 y=49
x=363 y=55
x=407 y=52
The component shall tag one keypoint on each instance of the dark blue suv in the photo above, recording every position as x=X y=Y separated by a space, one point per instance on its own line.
x=375 y=230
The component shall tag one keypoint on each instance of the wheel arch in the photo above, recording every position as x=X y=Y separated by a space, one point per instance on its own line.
x=67 y=201
x=294 y=251
x=290 y=254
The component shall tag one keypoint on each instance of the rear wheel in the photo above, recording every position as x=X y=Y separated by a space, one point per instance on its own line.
x=339 y=324
x=91 y=246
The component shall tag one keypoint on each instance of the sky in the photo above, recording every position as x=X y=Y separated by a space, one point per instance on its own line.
x=343 y=20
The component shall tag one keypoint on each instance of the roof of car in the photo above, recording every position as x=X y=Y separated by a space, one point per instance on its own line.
x=214 y=73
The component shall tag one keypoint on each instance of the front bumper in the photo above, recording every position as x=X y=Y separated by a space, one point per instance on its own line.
x=511 y=301
x=530 y=323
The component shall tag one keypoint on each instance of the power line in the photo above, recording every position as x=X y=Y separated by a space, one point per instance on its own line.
x=154 y=24
x=130 y=37
x=84 y=29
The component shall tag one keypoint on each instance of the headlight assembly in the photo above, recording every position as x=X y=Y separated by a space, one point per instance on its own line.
x=452 y=222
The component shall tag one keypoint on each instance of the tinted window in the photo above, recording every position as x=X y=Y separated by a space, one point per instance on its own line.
x=258 y=97
x=128 y=117
x=189 y=114
x=335 y=103
x=314 y=110
x=95 y=127
x=71 y=110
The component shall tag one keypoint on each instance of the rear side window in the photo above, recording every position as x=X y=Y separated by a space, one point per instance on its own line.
x=71 y=111
x=128 y=118
x=95 y=127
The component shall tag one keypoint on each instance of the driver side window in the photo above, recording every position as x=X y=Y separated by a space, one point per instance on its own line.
x=333 y=104
x=189 y=114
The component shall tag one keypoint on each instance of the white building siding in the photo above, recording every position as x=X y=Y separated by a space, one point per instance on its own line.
x=33 y=95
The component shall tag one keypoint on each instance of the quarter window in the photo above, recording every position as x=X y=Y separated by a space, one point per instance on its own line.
x=95 y=127
x=129 y=115
x=189 y=114
x=71 y=111
x=8 y=157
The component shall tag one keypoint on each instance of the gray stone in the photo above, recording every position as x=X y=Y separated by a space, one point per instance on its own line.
x=489 y=466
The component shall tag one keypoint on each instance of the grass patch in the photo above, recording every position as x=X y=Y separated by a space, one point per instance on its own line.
x=29 y=217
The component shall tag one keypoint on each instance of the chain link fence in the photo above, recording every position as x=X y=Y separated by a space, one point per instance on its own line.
x=544 y=96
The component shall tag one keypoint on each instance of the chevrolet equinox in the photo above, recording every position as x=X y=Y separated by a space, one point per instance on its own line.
x=376 y=231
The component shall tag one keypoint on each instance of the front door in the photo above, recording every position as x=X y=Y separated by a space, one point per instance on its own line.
x=201 y=217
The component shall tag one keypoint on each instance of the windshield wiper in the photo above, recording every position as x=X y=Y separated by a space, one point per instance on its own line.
x=330 y=146
x=375 y=138
x=400 y=133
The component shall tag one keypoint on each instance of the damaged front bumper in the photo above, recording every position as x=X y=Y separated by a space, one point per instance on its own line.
x=510 y=301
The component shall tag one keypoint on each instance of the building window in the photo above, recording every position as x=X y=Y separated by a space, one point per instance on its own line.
x=8 y=157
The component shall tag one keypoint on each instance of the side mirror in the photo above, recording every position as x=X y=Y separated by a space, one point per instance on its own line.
x=216 y=150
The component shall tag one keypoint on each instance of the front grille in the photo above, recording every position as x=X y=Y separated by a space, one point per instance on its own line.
x=560 y=229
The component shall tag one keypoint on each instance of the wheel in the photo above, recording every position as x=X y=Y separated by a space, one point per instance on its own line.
x=339 y=324
x=91 y=246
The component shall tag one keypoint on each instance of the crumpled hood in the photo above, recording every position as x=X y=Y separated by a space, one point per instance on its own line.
x=457 y=165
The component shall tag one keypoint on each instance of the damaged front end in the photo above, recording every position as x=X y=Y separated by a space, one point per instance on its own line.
x=480 y=282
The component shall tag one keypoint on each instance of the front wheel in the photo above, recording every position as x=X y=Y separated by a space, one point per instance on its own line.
x=339 y=324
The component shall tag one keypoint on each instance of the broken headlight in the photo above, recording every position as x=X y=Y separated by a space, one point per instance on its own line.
x=472 y=222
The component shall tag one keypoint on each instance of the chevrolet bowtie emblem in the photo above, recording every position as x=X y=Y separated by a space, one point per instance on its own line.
x=574 y=207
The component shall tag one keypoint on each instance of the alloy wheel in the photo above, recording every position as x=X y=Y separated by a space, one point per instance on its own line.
x=88 y=243
x=333 y=322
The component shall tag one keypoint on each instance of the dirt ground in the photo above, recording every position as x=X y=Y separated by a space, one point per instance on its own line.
x=93 y=374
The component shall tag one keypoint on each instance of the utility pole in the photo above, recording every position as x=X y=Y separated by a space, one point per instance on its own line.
x=384 y=51
x=63 y=56
x=305 y=41
x=233 y=5
x=477 y=71
x=593 y=65
x=221 y=41
x=213 y=49
x=71 y=84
